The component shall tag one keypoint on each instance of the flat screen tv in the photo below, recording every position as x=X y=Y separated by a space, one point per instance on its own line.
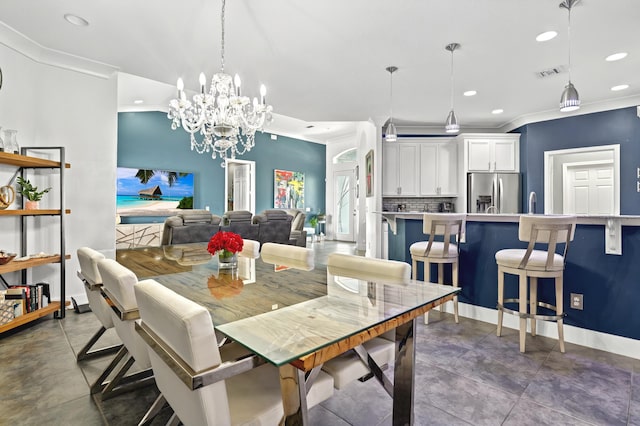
x=142 y=192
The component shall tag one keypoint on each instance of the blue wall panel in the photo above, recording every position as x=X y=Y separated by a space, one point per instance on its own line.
x=620 y=126
x=145 y=140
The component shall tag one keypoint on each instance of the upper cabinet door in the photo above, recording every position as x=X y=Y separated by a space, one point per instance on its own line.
x=408 y=157
x=448 y=169
x=479 y=155
x=390 y=185
x=504 y=159
x=429 y=169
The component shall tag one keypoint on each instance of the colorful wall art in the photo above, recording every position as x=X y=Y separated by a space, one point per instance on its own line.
x=288 y=191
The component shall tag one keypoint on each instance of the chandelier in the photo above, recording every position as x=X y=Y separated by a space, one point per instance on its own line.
x=225 y=120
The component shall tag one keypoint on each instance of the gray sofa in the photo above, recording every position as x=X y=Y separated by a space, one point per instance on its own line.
x=240 y=222
x=190 y=226
x=274 y=226
x=297 y=226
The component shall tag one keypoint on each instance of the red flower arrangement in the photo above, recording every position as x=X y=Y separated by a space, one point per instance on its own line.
x=227 y=241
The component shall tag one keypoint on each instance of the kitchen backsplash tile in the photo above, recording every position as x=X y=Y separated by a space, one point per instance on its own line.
x=415 y=204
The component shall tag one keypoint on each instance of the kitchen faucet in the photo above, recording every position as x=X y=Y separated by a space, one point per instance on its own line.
x=532 y=202
x=488 y=210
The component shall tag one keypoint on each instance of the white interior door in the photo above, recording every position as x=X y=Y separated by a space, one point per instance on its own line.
x=240 y=184
x=345 y=205
x=588 y=189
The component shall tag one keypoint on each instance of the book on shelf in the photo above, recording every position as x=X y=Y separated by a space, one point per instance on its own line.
x=33 y=296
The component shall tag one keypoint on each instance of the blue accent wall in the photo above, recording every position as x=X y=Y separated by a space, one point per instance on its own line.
x=145 y=140
x=621 y=126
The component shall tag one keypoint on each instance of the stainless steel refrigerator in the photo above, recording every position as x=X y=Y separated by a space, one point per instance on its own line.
x=493 y=193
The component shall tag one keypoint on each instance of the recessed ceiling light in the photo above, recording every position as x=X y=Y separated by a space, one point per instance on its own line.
x=76 y=20
x=546 y=36
x=138 y=101
x=616 y=56
x=497 y=111
x=620 y=87
x=470 y=93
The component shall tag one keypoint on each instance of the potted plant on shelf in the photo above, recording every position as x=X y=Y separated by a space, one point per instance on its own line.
x=31 y=193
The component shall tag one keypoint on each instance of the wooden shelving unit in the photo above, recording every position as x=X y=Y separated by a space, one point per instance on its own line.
x=25 y=162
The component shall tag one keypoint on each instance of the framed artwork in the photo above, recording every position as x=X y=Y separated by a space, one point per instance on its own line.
x=288 y=189
x=368 y=164
x=145 y=192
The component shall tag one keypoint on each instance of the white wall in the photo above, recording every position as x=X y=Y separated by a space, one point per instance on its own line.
x=58 y=105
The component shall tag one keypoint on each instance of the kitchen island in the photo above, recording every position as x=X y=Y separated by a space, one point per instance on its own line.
x=610 y=284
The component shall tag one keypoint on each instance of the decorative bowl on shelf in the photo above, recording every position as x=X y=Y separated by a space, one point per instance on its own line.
x=6 y=257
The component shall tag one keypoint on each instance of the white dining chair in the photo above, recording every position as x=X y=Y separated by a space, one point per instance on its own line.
x=88 y=259
x=350 y=366
x=288 y=255
x=118 y=284
x=241 y=392
x=250 y=249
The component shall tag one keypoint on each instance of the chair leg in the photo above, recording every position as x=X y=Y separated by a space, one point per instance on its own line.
x=560 y=311
x=454 y=279
x=533 y=302
x=153 y=411
x=440 y=280
x=174 y=420
x=500 y=300
x=427 y=279
x=86 y=354
x=414 y=268
x=522 y=308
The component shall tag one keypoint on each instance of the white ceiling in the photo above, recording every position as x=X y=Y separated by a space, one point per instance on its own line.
x=324 y=62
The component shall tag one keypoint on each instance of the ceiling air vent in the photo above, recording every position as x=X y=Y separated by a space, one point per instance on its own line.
x=549 y=72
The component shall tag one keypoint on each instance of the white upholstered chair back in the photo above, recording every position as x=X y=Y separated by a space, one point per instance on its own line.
x=88 y=259
x=447 y=225
x=287 y=255
x=549 y=230
x=368 y=268
x=250 y=249
x=545 y=226
x=187 y=329
x=119 y=282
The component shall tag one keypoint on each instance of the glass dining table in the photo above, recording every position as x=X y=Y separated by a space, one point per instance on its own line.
x=297 y=320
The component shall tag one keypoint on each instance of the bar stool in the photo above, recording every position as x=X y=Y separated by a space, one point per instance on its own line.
x=534 y=264
x=440 y=252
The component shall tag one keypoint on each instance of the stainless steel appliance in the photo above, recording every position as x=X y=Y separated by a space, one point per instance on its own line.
x=493 y=193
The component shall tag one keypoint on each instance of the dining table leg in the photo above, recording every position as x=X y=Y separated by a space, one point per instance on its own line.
x=294 y=396
x=403 y=376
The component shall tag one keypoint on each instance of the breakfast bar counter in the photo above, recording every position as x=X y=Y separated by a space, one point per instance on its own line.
x=609 y=283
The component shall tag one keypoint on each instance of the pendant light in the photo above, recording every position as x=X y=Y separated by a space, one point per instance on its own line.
x=570 y=100
x=451 y=125
x=390 y=134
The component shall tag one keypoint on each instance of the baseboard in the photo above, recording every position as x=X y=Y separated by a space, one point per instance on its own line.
x=572 y=334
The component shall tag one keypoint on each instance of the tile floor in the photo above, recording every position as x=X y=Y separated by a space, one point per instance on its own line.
x=464 y=375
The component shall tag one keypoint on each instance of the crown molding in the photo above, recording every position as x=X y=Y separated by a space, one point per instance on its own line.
x=36 y=52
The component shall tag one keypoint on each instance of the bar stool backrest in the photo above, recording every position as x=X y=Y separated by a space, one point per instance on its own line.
x=88 y=259
x=549 y=230
x=446 y=225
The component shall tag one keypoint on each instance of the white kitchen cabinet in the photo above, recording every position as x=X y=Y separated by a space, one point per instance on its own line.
x=493 y=153
x=400 y=169
x=439 y=168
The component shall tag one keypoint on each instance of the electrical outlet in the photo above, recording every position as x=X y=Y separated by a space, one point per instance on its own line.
x=576 y=301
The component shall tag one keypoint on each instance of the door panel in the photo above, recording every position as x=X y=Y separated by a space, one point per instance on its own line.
x=345 y=205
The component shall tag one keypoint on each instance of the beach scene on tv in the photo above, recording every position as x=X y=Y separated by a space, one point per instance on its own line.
x=143 y=192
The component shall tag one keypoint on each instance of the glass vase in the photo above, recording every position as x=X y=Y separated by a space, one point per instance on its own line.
x=11 y=142
x=1 y=141
x=227 y=259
